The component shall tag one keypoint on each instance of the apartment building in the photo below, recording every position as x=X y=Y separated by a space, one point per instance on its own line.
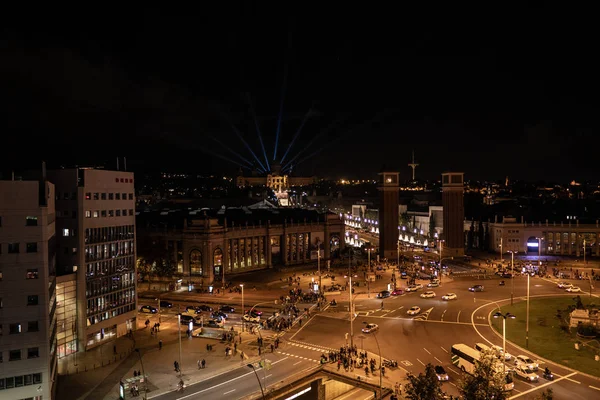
x=95 y=225
x=27 y=290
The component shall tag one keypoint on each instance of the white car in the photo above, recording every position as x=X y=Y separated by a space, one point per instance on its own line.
x=449 y=296
x=428 y=295
x=414 y=310
x=250 y=318
x=500 y=351
x=564 y=285
x=527 y=362
x=370 y=328
x=573 y=289
x=526 y=373
x=434 y=283
x=412 y=288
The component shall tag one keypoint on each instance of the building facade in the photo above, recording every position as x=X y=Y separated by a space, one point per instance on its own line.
x=27 y=290
x=95 y=224
x=388 y=214
x=206 y=246
x=454 y=214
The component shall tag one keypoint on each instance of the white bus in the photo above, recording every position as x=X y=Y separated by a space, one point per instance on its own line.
x=466 y=357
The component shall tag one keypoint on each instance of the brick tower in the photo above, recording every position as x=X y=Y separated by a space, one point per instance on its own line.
x=454 y=214
x=388 y=214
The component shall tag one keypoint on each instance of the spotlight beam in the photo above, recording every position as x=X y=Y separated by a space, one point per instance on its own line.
x=279 y=118
x=239 y=135
x=260 y=139
x=230 y=149
x=296 y=135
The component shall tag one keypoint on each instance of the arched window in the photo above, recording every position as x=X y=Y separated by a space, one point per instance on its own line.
x=218 y=257
x=195 y=262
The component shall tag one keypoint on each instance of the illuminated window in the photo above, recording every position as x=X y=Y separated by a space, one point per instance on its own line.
x=66 y=232
x=96 y=214
x=88 y=214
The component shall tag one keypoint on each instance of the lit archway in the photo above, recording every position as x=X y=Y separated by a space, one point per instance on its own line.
x=195 y=262
x=217 y=261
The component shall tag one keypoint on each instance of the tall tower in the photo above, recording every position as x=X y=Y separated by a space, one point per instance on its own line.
x=388 y=214
x=454 y=214
x=413 y=165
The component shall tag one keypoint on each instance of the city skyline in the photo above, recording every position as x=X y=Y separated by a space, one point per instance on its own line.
x=189 y=96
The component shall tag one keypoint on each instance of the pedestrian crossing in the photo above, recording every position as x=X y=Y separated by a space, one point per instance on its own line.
x=297 y=356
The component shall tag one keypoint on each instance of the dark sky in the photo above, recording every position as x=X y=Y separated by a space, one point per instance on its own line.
x=488 y=93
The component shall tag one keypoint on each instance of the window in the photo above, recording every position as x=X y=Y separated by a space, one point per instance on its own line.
x=30 y=221
x=14 y=355
x=0 y=279
x=124 y=196
x=117 y=196
x=32 y=273
x=88 y=196
x=28 y=379
x=32 y=300
x=96 y=214
x=124 y=213
x=66 y=195
x=33 y=352
x=0 y=221
x=32 y=247
x=19 y=381
x=103 y=213
x=96 y=196
x=111 y=213
x=33 y=326
x=103 y=196
x=1 y=302
x=14 y=329
x=74 y=214
x=13 y=247
x=66 y=232
x=131 y=211
x=88 y=214
x=118 y=213
x=1 y=332
x=130 y=196
x=110 y=196
x=37 y=378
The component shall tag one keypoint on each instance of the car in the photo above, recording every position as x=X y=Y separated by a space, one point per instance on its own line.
x=419 y=286
x=186 y=319
x=434 y=283
x=397 y=292
x=428 y=294
x=526 y=373
x=476 y=288
x=204 y=307
x=441 y=373
x=250 y=318
x=500 y=351
x=193 y=310
x=403 y=275
x=449 y=296
x=218 y=315
x=213 y=323
x=573 y=289
x=148 y=309
x=166 y=304
x=414 y=288
x=383 y=294
x=370 y=328
x=414 y=310
x=254 y=313
x=227 y=309
x=526 y=361
x=564 y=285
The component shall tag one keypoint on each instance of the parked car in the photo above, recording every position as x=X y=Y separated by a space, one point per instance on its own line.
x=218 y=315
x=441 y=373
x=204 y=307
x=370 y=328
x=414 y=310
x=193 y=309
x=165 y=304
x=148 y=309
x=428 y=294
x=397 y=292
x=449 y=296
x=227 y=309
x=213 y=323
x=476 y=288
x=383 y=294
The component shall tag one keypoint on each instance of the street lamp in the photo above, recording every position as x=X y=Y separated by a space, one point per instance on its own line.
x=527 y=323
x=143 y=373
x=512 y=275
x=242 y=286
x=539 y=250
x=441 y=268
x=179 y=332
x=498 y=314
x=501 y=251
x=258 y=379
x=380 y=364
x=319 y=266
x=351 y=309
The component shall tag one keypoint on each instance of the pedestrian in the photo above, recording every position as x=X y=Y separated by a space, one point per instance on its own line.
x=259 y=350
x=114 y=349
x=160 y=344
x=382 y=305
x=203 y=363
x=199 y=364
x=242 y=355
x=235 y=347
x=272 y=347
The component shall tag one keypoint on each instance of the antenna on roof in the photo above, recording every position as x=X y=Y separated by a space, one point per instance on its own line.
x=117 y=163
x=125 y=163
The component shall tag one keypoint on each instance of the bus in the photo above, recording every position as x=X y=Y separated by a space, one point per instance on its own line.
x=466 y=357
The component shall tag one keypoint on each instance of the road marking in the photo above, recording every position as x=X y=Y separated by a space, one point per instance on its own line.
x=444 y=349
x=265 y=377
x=442 y=318
x=458 y=316
x=438 y=360
x=594 y=387
x=544 y=385
x=297 y=363
x=453 y=370
x=406 y=362
x=422 y=363
x=231 y=391
x=428 y=352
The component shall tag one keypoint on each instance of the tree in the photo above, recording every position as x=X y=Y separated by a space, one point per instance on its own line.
x=152 y=257
x=578 y=303
x=487 y=381
x=426 y=386
x=547 y=394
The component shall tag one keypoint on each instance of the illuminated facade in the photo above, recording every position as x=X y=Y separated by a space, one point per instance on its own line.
x=388 y=214
x=453 y=214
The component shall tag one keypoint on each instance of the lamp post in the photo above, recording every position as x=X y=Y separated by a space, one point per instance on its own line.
x=143 y=374
x=512 y=275
x=441 y=268
x=319 y=266
x=398 y=253
x=380 y=363
x=243 y=324
x=258 y=379
x=179 y=332
x=584 y=253
x=158 y=303
x=527 y=323
x=498 y=314
x=539 y=250
x=351 y=310
x=501 y=251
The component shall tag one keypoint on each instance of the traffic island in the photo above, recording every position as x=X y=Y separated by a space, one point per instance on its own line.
x=550 y=336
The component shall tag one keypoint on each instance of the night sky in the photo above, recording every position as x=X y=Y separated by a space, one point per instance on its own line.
x=487 y=94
